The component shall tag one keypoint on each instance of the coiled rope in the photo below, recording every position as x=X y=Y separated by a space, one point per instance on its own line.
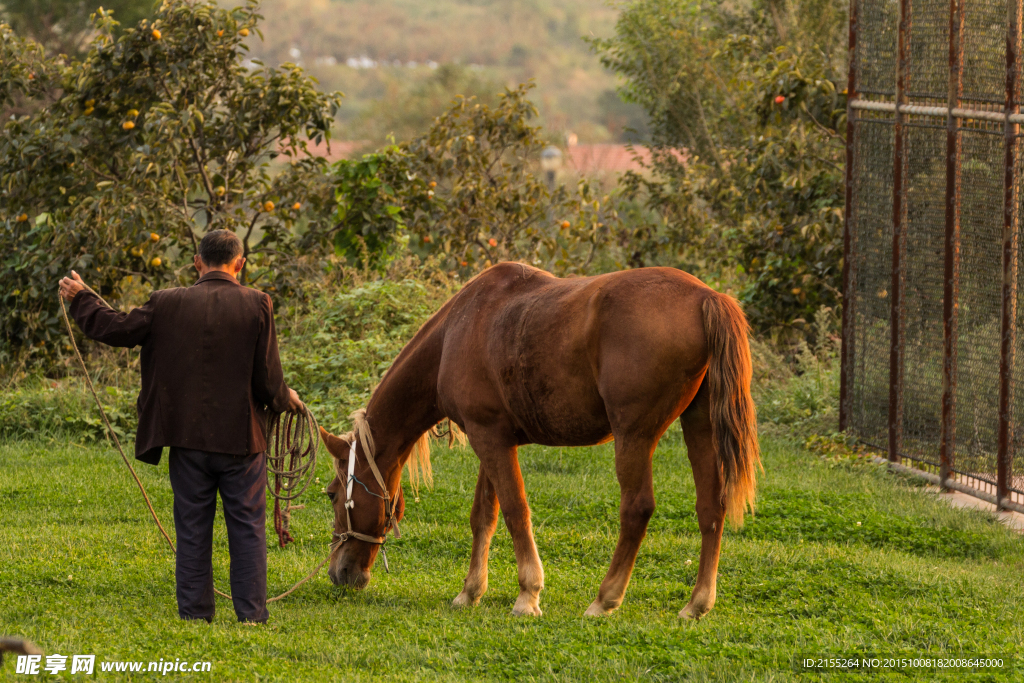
x=291 y=463
x=292 y=443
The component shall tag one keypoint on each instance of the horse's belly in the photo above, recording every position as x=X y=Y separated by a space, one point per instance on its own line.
x=557 y=409
x=583 y=435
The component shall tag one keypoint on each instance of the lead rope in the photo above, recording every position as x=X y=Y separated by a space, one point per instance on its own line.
x=311 y=421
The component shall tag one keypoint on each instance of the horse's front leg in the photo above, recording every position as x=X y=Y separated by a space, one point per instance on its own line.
x=484 y=520
x=500 y=462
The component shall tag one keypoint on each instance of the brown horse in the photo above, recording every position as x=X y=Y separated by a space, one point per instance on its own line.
x=519 y=356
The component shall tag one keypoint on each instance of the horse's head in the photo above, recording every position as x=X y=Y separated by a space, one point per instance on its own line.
x=367 y=516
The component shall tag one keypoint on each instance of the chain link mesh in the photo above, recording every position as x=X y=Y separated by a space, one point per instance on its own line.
x=980 y=307
x=875 y=57
x=922 y=293
x=873 y=265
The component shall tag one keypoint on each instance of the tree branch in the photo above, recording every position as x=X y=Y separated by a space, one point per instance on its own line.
x=202 y=169
x=827 y=131
x=245 y=242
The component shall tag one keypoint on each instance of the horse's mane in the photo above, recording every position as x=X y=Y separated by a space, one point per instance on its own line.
x=419 y=466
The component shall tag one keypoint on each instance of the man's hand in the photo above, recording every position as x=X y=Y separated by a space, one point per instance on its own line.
x=294 y=404
x=70 y=286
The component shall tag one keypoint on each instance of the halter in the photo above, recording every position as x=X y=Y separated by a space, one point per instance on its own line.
x=390 y=521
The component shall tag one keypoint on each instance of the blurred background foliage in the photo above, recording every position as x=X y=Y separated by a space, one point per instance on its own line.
x=124 y=142
x=64 y=26
x=399 y=47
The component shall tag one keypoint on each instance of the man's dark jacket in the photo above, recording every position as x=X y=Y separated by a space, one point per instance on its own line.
x=210 y=364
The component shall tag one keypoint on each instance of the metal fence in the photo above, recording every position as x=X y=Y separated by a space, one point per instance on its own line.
x=932 y=364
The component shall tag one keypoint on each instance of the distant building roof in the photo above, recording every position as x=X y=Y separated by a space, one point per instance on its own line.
x=586 y=159
x=604 y=158
x=609 y=158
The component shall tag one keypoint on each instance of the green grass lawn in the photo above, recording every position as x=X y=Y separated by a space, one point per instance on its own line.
x=839 y=559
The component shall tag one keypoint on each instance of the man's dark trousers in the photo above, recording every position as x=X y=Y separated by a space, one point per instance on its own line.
x=196 y=477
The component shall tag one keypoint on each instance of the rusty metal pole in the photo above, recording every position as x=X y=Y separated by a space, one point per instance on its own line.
x=899 y=238
x=1008 y=323
x=951 y=286
x=846 y=360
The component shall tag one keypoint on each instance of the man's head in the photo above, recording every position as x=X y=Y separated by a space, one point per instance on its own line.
x=219 y=250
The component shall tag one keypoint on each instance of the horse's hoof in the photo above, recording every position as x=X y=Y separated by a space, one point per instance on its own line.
x=463 y=599
x=597 y=610
x=526 y=608
x=691 y=612
x=526 y=612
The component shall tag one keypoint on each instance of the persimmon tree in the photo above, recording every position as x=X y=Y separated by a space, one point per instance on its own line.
x=160 y=132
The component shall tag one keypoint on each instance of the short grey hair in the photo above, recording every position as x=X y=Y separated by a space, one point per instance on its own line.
x=220 y=247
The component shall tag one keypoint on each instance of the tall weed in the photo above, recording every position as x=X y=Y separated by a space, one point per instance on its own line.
x=799 y=395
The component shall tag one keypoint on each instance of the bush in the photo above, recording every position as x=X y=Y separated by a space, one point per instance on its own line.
x=65 y=409
x=336 y=348
x=751 y=192
x=800 y=395
x=468 y=192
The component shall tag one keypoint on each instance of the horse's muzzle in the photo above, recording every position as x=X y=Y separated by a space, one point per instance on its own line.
x=344 y=573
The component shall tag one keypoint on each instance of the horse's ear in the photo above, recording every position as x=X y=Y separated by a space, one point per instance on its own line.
x=336 y=445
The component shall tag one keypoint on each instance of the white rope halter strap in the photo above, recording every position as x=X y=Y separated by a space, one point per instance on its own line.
x=390 y=521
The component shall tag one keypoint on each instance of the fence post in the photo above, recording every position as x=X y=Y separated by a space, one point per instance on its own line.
x=899 y=238
x=846 y=358
x=1008 y=322
x=951 y=279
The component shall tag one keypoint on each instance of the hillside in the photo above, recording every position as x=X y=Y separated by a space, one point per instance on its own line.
x=400 y=61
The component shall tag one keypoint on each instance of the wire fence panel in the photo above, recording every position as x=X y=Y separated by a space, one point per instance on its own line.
x=876 y=47
x=873 y=192
x=929 y=52
x=922 y=335
x=984 y=46
x=977 y=396
x=932 y=392
x=1016 y=474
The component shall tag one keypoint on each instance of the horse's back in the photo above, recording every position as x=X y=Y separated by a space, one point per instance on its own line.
x=560 y=359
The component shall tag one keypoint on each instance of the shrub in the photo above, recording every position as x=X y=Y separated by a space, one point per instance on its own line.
x=800 y=395
x=468 y=192
x=65 y=409
x=337 y=345
x=336 y=348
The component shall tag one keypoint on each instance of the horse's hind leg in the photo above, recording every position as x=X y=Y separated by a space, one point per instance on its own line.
x=707 y=477
x=633 y=468
x=484 y=520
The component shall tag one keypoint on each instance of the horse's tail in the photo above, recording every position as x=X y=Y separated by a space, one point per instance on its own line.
x=733 y=416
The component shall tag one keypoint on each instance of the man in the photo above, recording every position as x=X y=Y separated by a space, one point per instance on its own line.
x=210 y=369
